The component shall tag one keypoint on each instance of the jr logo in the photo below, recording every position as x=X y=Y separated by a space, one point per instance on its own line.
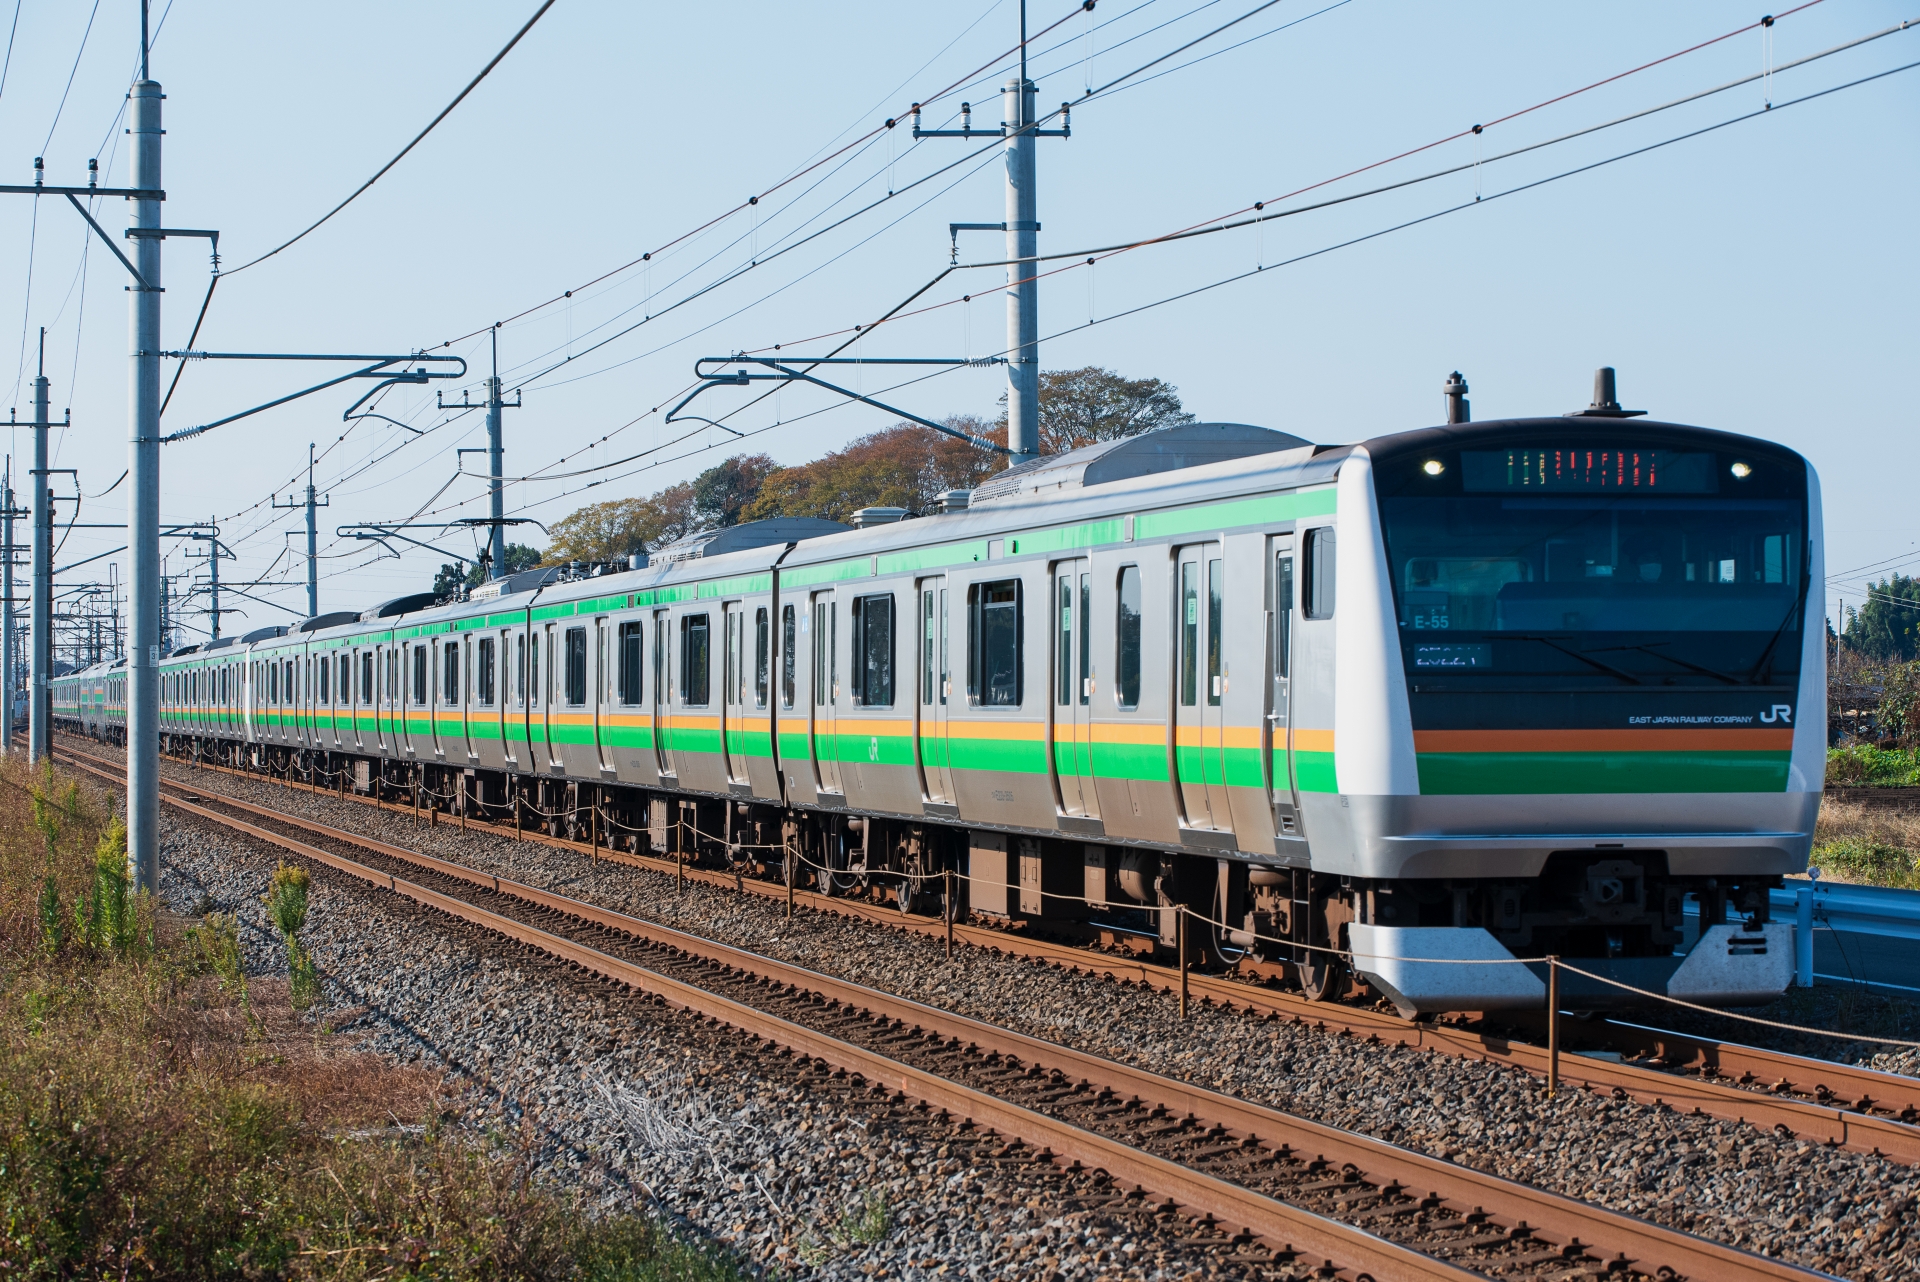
x=1779 y=712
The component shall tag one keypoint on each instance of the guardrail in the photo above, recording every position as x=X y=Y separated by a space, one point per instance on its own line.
x=1859 y=910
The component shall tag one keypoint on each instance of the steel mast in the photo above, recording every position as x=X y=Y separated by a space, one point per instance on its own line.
x=143 y=511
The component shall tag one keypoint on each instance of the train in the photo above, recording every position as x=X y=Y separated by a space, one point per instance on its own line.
x=1408 y=716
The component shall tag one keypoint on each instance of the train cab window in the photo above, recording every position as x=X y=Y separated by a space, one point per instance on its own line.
x=760 y=642
x=1318 y=591
x=576 y=667
x=420 y=675
x=483 y=673
x=630 y=673
x=694 y=650
x=873 y=651
x=994 y=659
x=1126 y=622
x=450 y=675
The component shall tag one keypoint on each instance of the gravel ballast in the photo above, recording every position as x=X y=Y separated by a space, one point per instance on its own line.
x=1847 y=1213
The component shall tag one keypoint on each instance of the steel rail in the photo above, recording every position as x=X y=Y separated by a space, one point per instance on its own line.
x=1536 y=1212
x=1358 y=1252
x=1850 y=1106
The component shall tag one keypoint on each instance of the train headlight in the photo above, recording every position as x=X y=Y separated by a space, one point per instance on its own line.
x=1741 y=471
x=1433 y=467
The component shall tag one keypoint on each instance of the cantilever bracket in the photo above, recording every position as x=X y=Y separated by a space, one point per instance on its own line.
x=781 y=373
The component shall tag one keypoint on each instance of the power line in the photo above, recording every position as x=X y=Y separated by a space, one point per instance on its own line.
x=61 y=109
x=12 y=31
x=444 y=113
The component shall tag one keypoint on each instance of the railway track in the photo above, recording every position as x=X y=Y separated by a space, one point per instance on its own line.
x=1824 y=1101
x=1304 y=1191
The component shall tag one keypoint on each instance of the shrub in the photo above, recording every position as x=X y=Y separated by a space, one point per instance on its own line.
x=1861 y=765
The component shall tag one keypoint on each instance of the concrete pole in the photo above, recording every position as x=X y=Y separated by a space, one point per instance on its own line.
x=40 y=701
x=143 y=509
x=213 y=575
x=1023 y=292
x=495 y=493
x=313 y=545
x=6 y=616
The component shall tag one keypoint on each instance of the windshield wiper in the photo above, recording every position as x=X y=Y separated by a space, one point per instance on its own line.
x=1765 y=662
x=1585 y=658
x=1690 y=666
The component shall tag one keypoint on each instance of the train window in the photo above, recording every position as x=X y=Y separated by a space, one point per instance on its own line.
x=730 y=675
x=576 y=666
x=273 y=683
x=927 y=633
x=994 y=660
x=760 y=640
x=1216 y=606
x=520 y=669
x=326 y=670
x=1086 y=639
x=533 y=672
x=1319 y=585
x=366 y=678
x=786 y=656
x=1282 y=607
x=873 y=651
x=450 y=678
x=826 y=666
x=420 y=675
x=630 y=672
x=1126 y=658
x=1064 y=660
x=694 y=677
x=1189 y=634
x=393 y=676
x=483 y=675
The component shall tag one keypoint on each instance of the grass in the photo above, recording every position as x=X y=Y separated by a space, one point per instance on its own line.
x=1864 y=766
x=1867 y=845
x=163 y=1116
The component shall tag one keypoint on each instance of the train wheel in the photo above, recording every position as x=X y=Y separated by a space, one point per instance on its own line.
x=1324 y=977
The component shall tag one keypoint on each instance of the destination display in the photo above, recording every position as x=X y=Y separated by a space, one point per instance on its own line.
x=1564 y=469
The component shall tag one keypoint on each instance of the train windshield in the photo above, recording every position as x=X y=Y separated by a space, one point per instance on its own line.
x=1596 y=567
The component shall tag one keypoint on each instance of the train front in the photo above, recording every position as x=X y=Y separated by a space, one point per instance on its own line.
x=1614 y=709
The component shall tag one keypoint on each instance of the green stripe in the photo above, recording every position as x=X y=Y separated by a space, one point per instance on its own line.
x=1314 y=772
x=1222 y=516
x=1486 y=773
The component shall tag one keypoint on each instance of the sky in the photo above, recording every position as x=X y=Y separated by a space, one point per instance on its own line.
x=1758 y=277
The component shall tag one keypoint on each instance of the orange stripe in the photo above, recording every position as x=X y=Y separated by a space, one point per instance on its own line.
x=1312 y=740
x=1650 y=739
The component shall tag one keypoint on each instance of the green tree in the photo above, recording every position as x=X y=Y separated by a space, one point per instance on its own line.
x=1887 y=627
x=617 y=527
x=1088 y=405
x=450 y=578
x=725 y=490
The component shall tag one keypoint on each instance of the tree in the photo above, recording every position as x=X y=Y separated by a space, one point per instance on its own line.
x=452 y=577
x=1085 y=406
x=617 y=527
x=1887 y=627
x=724 y=491
x=905 y=466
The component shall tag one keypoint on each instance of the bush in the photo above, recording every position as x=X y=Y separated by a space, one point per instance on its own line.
x=1861 y=765
x=1867 y=862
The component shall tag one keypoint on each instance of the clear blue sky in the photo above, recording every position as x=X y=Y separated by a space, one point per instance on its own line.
x=1761 y=278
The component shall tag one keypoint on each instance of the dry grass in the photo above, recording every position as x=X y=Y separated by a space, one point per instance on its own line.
x=1868 y=845
x=162 y=1116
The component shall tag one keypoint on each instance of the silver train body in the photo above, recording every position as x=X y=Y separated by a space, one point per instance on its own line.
x=1450 y=701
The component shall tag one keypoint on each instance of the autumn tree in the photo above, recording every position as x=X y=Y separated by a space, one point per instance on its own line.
x=451 y=577
x=905 y=465
x=723 y=492
x=1085 y=406
x=617 y=527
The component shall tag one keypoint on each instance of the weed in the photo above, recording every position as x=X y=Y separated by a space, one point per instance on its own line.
x=286 y=903
x=1862 y=765
x=869 y=1222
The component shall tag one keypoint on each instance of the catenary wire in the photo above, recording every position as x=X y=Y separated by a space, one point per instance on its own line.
x=381 y=172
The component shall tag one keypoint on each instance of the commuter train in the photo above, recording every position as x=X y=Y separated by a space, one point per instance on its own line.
x=1448 y=702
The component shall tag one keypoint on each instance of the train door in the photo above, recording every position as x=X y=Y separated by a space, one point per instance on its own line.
x=1200 y=686
x=936 y=686
x=550 y=689
x=826 y=693
x=662 y=700
x=733 y=690
x=1073 y=688
x=1286 y=818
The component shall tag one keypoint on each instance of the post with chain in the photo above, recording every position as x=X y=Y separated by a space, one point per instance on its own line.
x=1553 y=1025
x=950 y=914
x=1180 y=943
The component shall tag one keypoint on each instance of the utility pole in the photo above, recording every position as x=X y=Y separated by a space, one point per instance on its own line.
x=143 y=510
x=215 y=551
x=496 y=473
x=6 y=614
x=313 y=544
x=40 y=706
x=1019 y=128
